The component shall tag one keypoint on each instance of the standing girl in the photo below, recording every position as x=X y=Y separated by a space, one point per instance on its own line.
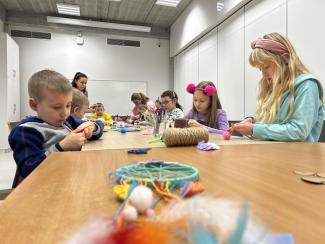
x=290 y=100
x=174 y=110
x=80 y=82
x=207 y=111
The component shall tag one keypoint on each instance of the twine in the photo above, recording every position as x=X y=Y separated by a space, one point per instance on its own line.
x=185 y=136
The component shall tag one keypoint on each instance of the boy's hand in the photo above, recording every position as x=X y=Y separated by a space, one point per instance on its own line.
x=86 y=128
x=73 y=141
x=193 y=123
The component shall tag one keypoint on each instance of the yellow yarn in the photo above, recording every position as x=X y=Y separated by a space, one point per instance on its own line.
x=121 y=190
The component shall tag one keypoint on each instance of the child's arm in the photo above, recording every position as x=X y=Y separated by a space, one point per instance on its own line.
x=91 y=130
x=299 y=126
x=72 y=142
x=151 y=106
x=221 y=123
x=98 y=131
x=27 y=145
x=108 y=119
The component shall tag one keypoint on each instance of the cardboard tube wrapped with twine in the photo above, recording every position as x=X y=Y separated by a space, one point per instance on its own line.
x=185 y=136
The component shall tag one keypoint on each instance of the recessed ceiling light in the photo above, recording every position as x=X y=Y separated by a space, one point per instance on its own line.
x=169 y=3
x=68 y=9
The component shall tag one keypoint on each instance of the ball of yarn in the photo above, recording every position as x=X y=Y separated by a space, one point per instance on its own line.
x=226 y=135
x=180 y=123
x=130 y=213
x=141 y=198
x=185 y=136
x=122 y=129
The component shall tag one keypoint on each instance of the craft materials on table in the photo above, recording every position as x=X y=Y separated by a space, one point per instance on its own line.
x=139 y=150
x=311 y=176
x=185 y=136
x=207 y=146
x=198 y=220
x=170 y=180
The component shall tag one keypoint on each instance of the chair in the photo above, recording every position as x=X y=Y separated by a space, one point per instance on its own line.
x=322 y=133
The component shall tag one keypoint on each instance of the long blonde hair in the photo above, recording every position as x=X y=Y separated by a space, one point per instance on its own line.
x=288 y=67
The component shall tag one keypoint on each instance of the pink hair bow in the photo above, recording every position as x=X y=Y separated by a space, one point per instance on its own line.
x=209 y=90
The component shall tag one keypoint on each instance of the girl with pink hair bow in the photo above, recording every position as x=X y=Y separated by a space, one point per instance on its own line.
x=207 y=111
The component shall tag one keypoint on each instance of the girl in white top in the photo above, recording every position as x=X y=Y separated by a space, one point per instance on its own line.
x=174 y=110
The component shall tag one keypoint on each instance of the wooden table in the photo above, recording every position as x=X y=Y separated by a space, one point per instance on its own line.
x=117 y=140
x=69 y=188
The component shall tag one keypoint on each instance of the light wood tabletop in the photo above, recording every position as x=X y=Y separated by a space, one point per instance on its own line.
x=70 y=188
x=117 y=140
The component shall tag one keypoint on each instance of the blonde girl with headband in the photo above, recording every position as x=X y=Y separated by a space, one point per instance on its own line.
x=207 y=111
x=290 y=100
x=174 y=110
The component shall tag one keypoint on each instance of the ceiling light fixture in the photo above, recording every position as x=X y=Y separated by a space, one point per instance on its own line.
x=98 y=24
x=220 y=6
x=169 y=3
x=68 y=9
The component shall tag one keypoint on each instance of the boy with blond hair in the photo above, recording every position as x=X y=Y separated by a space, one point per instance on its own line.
x=53 y=129
x=79 y=105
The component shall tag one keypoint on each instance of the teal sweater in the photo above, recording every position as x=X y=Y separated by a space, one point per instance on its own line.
x=306 y=121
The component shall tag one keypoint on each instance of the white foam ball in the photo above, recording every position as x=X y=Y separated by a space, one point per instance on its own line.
x=141 y=198
x=130 y=213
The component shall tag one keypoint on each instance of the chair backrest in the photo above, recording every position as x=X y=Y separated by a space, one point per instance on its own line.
x=13 y=124
x=322 y=133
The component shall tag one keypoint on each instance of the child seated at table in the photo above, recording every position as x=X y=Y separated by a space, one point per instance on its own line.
x=146 y=114
x=79 y=105
x=53 y=129
x=101 y=114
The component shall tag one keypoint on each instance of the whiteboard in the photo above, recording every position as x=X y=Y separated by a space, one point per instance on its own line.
x=114 y=94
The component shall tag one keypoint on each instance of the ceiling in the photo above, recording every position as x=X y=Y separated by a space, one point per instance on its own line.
x=143 y=12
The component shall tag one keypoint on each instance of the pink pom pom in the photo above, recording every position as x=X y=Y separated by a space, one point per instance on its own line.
x=210 y=90
x=226 y=135
x=190 y=88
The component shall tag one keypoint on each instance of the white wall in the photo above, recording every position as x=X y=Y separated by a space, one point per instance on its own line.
x=9 y=83
x=261 y=17
x=199 y=17
x=231 y=61
x=226 y=64
x=96 y=59
x=306 y=32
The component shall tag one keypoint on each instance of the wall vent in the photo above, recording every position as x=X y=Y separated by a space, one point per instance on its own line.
x=119 y=42
x=29 y=34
